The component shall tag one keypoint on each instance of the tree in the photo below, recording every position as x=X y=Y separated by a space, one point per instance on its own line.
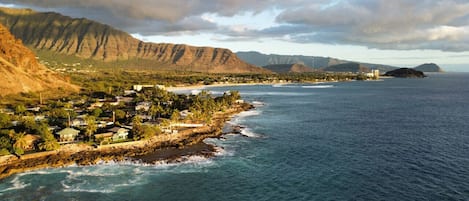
x=175 y=116
x=5 y=142
x=97 y=112
x=20 y=109
x=28 y=124
x=5 y=120
x=20 y=140
x=91 y=126
x=156 y=110
x=120 y=114
x=48 y=143
x=146 y=132
x=137 y=128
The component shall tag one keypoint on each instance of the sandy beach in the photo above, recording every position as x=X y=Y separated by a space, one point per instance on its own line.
x=198 y=87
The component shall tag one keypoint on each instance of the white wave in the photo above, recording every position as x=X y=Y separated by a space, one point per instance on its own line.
x=258 y=103
x=102 y=178
x=249 y=133
x=248 y=113
x=278 y=85
x=16 y=184
x=88 y=190
x=284 y=86
x=264 y=93
x=195 y=91
x=318 y=86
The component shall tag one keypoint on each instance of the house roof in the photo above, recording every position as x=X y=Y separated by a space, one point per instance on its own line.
x=116 y=129
x=68 y=131
x=99 y=135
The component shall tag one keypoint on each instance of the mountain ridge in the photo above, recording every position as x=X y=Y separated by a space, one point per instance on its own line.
x=316 y=62
x=88 y=39
x=288 y=68
x=21 y=72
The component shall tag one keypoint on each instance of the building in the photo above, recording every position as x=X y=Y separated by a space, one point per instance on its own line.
x=373 y=74
x=31 y=141
x=68 y=135
x=145 y=106
x=139 y=88
x=103 y=137
x=119 y=133
x=113 y=135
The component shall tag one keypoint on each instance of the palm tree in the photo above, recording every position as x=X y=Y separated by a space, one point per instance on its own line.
x=91 y=126
x=20 y=140
x=49 y=145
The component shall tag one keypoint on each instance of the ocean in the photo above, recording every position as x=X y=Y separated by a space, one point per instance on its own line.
x=395 y=139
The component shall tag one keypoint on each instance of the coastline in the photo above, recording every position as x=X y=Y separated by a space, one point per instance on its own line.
x=201 y=86
x=167 y=148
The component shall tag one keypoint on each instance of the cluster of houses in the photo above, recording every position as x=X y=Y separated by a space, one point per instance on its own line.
x=114 y=134
x=107 y=129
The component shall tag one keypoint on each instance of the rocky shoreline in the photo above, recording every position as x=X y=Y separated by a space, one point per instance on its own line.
x=169 y=149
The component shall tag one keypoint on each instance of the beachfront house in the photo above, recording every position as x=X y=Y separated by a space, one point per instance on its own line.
x=67 y=135
x=103 y=137
x=31 y=141
x=119 y=133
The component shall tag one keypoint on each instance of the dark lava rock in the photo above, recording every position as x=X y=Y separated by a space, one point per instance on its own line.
x=405 y=73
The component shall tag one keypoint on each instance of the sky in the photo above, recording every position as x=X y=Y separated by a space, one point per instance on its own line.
x=399 y=32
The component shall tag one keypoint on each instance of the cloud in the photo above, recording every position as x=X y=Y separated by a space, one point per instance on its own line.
x=381 y=24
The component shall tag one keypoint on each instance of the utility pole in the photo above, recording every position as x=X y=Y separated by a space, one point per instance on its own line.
x=69 y=120
x=40 y=98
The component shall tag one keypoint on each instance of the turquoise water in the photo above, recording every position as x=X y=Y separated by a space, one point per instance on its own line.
x=397 y=139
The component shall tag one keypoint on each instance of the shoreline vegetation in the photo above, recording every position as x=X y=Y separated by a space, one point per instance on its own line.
x=167 y=148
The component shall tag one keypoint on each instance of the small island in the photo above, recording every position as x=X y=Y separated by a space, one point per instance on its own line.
x=405 y=73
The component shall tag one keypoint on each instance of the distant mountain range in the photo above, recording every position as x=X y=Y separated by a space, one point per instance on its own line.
x=315 y=62
x=429 y=67
x=21 y=72
x=289 y=68
x=323 y=63
x=59 y=36
x=347 y=67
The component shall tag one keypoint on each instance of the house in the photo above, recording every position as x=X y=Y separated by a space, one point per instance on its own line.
x=184 y=114
x=129 y=92
x=79 y=121
x=119 y=133
x=31 y=141
x=68 y=135
x=139 y=88
x=96 y=105
x=145 y=106
x=104 y=137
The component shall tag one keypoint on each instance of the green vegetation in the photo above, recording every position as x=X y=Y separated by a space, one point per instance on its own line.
x=149 y=112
